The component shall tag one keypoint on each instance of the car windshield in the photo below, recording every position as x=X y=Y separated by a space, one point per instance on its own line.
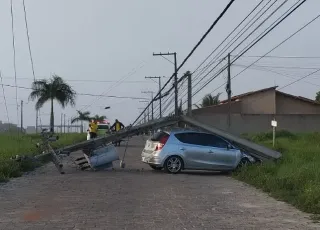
x=103 y=127
x=159 y=135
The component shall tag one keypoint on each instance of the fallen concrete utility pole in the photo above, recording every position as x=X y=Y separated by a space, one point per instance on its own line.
x=126 y=133
x=259 y=151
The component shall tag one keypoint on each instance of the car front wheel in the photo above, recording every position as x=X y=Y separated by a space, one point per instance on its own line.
x=244 y=161
x=173 y=165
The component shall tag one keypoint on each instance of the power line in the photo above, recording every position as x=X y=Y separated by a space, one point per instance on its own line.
x=28 y=36
x=285 y=57
x=207 y=32
x=216 y=58
x=228 y=36
x=279 y=67
x=293 y=82
x=115 y=85
x=82 y=94
x=282 y=42
x=246 y=27
x=281 y=74
x=189 y=55
x=255 y=41
x=285 y=40
x=253 y=44
x=14 y=57
x=30 y=54
x=232 y=41
x=83 y=80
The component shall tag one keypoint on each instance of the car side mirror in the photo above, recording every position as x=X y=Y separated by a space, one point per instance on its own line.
x=229 y=146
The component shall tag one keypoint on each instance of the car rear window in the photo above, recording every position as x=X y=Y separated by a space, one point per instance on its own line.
x=159 y=135
x=103 y=127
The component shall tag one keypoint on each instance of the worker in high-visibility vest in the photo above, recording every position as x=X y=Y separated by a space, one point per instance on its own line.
x=93 y=129
x=117 y=126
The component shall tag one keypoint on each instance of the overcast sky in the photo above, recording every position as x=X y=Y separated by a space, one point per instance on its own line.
x=104 y=40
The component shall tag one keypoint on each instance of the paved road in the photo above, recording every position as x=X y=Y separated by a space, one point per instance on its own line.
x=133 y=198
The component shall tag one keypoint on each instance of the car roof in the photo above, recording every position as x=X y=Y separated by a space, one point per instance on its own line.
x=183 y=131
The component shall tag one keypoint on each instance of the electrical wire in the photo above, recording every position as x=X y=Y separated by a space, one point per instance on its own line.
x=84 y=94
x=253 y=44
x=289 y=57
x=301 y=78
x=216 y=58
x=262 y=56
x=281 y=74
x=38 y=114
x=14 y=57
x=284 y=86
x=113 y=86
x=191 y=52
x=246 y=27
x=264 y=33
x=84 y=80
x=232 y=41
x=280 y=67
x=28 y=37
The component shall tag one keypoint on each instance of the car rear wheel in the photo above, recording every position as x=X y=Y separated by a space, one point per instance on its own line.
x=173 y=164
x=155 y=167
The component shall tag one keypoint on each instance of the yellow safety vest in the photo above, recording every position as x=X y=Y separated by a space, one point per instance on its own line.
x=94 y=127
x=117 y=126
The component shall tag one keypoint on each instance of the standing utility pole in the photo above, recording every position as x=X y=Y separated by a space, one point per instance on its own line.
x=61 y=122
x=189 y=94
x=151 y=102
x=160 y=106
x=228 y=89
x=175 y=78
x=37 y=112
x=148 y=109
x=144 y=115
x=64 y=123
x=21 y=116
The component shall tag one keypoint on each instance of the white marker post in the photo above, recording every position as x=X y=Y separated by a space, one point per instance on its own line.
x=274 y=125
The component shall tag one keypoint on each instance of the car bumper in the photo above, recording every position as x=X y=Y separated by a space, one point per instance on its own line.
x=151 y=159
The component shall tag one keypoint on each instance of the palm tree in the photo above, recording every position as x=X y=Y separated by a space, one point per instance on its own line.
x=98 y=118
x=82 y=116
x=49 y=90
x=209 y=100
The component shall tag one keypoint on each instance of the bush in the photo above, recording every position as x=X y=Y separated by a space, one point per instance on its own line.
x=295 y=178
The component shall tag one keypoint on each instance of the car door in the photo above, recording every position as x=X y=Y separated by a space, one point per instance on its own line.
x=224 y=155
x=195 y=151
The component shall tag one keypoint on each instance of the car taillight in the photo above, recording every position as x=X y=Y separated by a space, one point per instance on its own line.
x=160 y=145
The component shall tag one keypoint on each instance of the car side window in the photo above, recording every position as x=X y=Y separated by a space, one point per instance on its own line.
x=193 y=138
x=217 y=142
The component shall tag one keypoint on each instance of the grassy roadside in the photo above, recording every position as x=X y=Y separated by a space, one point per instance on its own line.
x=296 y=177
x=12 y=145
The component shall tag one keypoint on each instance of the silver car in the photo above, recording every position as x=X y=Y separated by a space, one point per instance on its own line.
x=178 y=150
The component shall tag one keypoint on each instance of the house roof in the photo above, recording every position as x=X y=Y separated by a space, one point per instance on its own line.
x=299 y=98
x=238 y=97
x=248 y=94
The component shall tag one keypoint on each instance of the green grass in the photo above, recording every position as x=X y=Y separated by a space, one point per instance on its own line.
x=295 y=178
x=12 y=145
